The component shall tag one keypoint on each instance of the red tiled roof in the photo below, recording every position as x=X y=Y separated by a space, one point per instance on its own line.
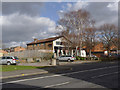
x=44 y=40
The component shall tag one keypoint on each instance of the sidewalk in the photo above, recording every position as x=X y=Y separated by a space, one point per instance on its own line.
x=60 y=63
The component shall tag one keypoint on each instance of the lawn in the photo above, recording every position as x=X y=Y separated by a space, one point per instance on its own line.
x=5 y=68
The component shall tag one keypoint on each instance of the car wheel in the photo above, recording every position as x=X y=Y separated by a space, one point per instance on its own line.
x=8 y=63
x=15 y=64
x=69 y=60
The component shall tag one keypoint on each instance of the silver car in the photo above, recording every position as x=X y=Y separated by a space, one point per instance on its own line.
x=9 y=60
x=66 y=58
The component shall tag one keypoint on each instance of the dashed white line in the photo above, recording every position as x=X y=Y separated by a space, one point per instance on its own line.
x=104 y=75
x=56 y=85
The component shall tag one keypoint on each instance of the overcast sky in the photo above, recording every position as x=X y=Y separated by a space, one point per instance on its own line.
x=21 y=22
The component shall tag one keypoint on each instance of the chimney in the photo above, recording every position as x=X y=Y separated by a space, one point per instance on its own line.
x=35 y=39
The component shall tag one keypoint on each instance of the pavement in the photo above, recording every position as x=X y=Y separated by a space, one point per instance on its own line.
x=85 y=75
x=60 y=63
x=62 y=67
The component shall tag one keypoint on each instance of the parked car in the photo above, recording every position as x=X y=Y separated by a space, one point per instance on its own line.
x=66 y=58
x=112 y=55
x=9 y=60
x=93 y=57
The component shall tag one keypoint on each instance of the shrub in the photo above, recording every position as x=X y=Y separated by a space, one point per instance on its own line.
x=80 y=58
x=77 y=58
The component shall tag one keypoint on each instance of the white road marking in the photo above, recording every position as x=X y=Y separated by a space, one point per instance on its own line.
x=56 y=85
x=90 y=70
x=30 y=79
x=57 y=75
x=104 y=75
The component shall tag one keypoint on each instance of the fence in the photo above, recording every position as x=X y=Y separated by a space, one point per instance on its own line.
x=31 y=53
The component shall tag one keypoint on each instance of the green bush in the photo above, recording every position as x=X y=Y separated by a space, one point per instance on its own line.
x=77 y=58
x=80 y=58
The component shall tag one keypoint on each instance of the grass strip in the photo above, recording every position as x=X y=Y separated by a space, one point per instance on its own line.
x=5 y=68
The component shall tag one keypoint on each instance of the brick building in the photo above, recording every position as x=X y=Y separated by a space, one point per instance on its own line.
x=55 y=44
x=19 y=48
x=15 y=49
x=99 y=49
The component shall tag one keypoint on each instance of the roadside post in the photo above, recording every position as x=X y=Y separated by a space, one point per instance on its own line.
x=57 y=62
x=54 y=62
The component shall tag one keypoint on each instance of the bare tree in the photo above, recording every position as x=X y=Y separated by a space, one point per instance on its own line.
x=108 y=35
x=74 y=23
x=116 y=41
x=89 y=39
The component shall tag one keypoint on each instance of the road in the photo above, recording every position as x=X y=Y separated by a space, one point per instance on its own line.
x=87 y=75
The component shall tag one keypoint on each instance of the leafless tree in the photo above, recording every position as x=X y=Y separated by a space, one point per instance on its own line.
x=89 y=39
x=74 y=24
x=108 y=35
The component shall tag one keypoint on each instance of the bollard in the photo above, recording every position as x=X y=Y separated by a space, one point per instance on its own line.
x=57 y=62
x=54 y=62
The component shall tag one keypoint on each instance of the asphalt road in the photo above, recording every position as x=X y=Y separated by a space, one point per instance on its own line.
x=88 y=75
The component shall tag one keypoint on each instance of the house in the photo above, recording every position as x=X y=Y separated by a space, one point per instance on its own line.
x=14 y=49
x=99 y=49
x=2 y=52
x=55 y=44
x=19 y=48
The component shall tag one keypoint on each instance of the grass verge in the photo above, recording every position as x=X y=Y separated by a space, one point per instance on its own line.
x=6 y=68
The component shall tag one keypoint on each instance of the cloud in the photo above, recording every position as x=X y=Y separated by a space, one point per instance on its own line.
x=113 y=6
x=76 y=6
x=21 y=28
x=101 y=12
x=29 y=8
x=14 y=44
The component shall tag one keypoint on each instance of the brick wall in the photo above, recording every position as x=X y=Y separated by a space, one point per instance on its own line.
x=45 y=46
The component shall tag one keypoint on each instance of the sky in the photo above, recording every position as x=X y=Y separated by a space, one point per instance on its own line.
x=23 y=21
